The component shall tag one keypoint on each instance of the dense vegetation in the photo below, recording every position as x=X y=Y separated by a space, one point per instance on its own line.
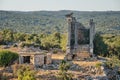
x=25 y=73
x=47 y=29
x=43 y=40
x=54 y=21
x=7 y=57
x=107 y=45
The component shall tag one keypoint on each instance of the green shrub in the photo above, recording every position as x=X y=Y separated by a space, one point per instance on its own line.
x=98 y=65
x=7 y=57
x=113 y=62
x=63 y=74
x=25 y=73
x=55 y=51
x=64 y=66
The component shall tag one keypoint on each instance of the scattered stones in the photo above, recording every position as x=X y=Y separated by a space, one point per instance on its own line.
x=50 y=67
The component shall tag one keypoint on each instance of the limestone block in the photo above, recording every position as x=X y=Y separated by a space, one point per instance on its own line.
x=32 y=59
x=49 y=58
x=20 y=59
x=69 y=57
x=83 y=55
x=39 y=59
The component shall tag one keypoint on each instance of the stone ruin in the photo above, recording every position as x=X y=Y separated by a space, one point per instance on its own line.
x=80 y=39
x=34 y=56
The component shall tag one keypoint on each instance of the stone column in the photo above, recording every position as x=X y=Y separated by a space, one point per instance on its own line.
x=69 y=24
x=20 y=59
x=92 y=33
x=69 y=21
x=76 y=37
x=48 y=58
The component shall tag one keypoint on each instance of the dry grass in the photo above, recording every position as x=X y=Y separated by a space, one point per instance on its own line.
x=86 y=63
x=13 y=49
x=52 y=74
x=80 y=63
x=58 y=56
x=46 y=75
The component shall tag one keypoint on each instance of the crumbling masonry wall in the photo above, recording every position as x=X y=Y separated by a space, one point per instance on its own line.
x=80 y=39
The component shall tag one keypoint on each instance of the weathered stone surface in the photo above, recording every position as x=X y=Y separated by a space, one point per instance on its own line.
x=39 y=60
x=83 y=55
x=50 y=67
x=78 y=37
x=48 y=58
x=69 y=57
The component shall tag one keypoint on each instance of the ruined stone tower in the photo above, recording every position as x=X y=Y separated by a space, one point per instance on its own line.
x=80 y=39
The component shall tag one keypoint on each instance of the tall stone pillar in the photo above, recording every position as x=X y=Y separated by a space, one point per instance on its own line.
x=76 y=37
x=20 y=59
x=92 y=33
x=69 y=20
x=68 y=50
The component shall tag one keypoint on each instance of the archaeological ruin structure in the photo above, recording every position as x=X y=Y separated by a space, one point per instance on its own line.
x=34 y=57
x=80 y=39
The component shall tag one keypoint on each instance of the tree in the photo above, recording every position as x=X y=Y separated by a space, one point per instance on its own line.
x=113 y=43
x=1 y=38
x=7 y=35
x=19 y=36
x=100 y=48
x=57 y=36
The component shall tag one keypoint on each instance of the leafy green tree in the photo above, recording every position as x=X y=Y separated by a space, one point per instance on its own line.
x=57 y=36
x=100 y=48
x=7 y=35
x=1 y=38
x=113 y=43
x=36 y=39
x=19 y=36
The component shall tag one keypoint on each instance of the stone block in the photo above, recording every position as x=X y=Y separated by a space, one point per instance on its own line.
x=83 y=55
x=48 y=58
x=69 y=57
x=39 y=60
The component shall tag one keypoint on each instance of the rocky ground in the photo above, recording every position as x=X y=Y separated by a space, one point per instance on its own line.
x=50 y=72
x=80 y=70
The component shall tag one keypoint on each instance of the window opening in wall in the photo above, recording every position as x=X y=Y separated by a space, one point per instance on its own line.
x=26 y=59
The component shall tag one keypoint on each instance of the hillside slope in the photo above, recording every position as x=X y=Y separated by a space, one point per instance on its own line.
x=52 y=21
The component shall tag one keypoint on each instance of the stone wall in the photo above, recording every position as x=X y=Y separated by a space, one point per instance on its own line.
x=36 y=59
x=39 y=60
x=78 y=37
